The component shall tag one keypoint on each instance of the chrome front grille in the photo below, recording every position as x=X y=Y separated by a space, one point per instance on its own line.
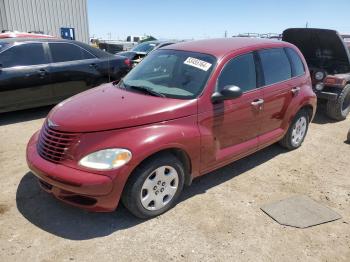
x=53 y=144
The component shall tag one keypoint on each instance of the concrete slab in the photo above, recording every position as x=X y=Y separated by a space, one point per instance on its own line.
x=299 y=211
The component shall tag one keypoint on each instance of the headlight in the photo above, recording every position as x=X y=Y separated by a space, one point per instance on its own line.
x=319 y=75
x=319 y=86
x=106 y=159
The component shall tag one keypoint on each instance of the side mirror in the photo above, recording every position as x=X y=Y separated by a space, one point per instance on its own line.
x=229 y=92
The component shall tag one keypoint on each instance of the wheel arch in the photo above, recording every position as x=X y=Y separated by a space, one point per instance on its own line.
x=309 y=109
x=180 y=154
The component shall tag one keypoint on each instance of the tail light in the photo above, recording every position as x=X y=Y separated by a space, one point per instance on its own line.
x=127 y=62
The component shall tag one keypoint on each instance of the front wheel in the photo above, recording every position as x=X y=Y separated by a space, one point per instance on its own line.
x=297 y=131
x=154 y=187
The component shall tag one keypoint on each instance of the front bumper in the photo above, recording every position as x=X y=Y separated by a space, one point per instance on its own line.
x=83 y=189
x=326 y=95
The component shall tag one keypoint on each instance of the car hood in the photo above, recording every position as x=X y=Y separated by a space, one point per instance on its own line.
x=322 y=48
x=108 y=107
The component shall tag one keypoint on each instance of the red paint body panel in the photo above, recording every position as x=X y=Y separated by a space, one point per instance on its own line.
x=108 y=107
x=210 y=134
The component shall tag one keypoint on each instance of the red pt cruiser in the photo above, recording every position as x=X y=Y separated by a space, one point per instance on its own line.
x=186 y=110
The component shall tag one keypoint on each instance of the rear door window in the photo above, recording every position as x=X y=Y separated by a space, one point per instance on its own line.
x=297 y=65
x=23 y=55
x=275 y=64
x=239 y=71
x=64 y=52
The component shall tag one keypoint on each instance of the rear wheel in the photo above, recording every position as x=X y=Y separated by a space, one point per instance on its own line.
x=297 y=131
x=339 y=109
x=154 y=187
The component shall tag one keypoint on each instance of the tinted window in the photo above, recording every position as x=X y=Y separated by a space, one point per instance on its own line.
x=297 y=64
x=23 y=55
x=240 y=72
x=86 y=54
x=63 y=52
x=275 y=65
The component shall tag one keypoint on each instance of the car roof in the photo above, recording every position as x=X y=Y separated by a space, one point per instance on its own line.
x=220 y=47
x=18 y=40
x=97 y=52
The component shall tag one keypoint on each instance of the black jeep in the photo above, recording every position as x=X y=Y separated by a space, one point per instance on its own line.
x=328 y=58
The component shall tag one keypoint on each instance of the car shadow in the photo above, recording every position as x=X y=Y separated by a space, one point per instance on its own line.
x=57 y=218
x=321 y=117
x=201 y=184
x=60 y=219
x=24 y=115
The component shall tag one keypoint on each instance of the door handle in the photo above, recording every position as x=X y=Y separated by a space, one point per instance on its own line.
x=295 y=91
x=258 y=103
x=93 y=65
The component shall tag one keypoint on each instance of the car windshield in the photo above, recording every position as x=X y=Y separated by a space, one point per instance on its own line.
x=171 y=73
x=144 y=47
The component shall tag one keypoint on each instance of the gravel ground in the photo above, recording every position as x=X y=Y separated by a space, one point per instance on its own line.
x=217 y=219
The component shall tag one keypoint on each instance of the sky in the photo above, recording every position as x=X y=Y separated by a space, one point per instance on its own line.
x=198 y=19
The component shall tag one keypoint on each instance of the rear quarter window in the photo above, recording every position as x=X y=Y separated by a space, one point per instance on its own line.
x=297 y=65
x=276 y=65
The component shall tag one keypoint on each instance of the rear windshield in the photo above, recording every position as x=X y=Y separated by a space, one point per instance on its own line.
x=172 y=73
x=144 y=47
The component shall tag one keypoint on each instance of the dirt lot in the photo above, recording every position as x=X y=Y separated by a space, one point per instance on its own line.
x=217 y=219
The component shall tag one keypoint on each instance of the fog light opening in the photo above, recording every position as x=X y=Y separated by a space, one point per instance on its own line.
x=80 y=200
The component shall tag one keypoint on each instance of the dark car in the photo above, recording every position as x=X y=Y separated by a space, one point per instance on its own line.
x=328 y=59
x=37 y=72
x=141 y=50
x=185 y=111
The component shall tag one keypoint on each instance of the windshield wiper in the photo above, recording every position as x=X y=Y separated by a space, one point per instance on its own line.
x=146 y=90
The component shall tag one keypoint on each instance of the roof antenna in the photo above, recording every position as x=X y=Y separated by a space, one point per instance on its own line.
x=307 y=25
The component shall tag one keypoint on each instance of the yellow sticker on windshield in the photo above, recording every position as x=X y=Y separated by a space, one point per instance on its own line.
x=197 y=63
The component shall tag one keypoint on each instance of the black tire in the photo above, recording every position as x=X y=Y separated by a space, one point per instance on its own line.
x=339 y=109
x=287 y=140
x=131 y=197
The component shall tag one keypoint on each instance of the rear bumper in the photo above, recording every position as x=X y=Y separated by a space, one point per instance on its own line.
x=86 y=190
